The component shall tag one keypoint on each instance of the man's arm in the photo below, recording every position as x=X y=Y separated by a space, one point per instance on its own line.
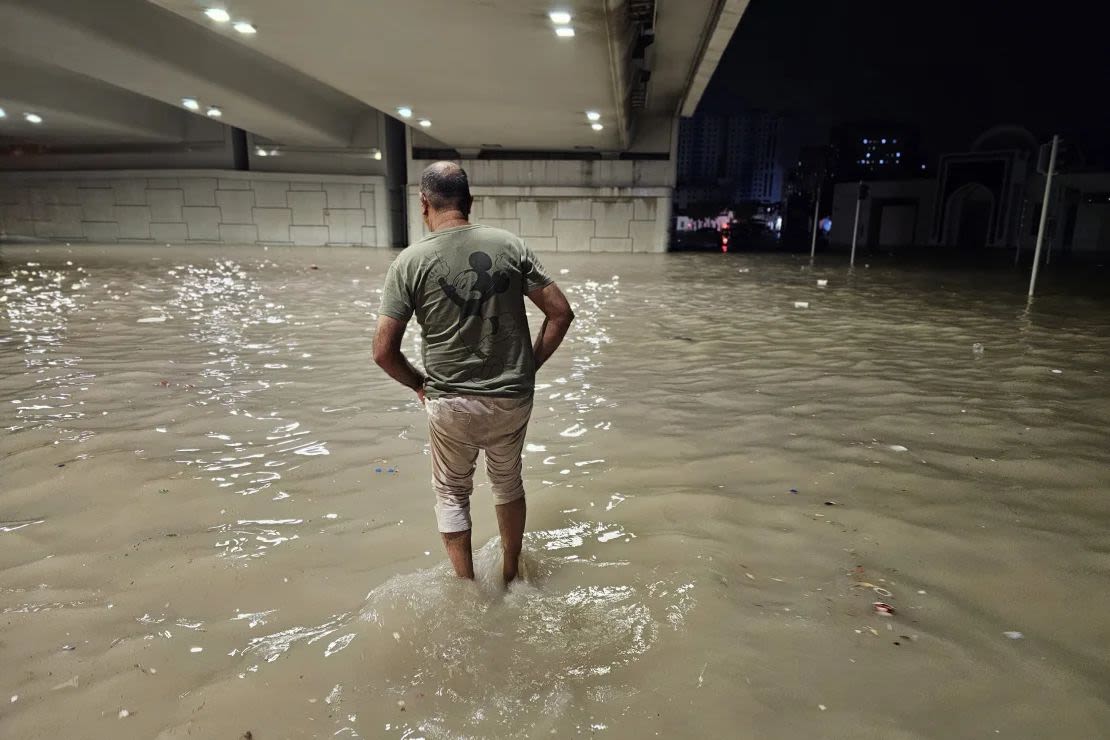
x=387 y=353
x=557 y=317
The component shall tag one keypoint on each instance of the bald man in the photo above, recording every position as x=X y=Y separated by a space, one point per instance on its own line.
x=466 y=285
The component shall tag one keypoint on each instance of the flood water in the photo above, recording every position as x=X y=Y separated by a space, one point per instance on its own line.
x=215 y=512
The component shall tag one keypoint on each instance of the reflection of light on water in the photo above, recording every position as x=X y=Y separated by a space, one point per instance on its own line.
x=259 y=534
x=13 y=526
x=38 y=303
x=272 y=647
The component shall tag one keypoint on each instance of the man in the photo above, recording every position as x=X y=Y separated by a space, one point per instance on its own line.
x=466 y=285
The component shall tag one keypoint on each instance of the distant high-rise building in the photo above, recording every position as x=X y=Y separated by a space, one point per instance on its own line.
x=732 y=158
x=875 y=151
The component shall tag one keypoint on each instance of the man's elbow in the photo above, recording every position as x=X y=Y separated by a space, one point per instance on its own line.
x=381 y=356
x=567 y=317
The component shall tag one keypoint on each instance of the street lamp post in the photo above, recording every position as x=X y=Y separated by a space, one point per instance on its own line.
x=1044 y=214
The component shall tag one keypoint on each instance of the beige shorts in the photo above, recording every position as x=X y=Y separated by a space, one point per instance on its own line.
x=460 y=427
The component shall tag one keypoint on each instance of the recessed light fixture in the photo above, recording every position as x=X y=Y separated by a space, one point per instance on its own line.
x=425 y=122
x=190 y=103
x=404 y=111
x=593 y=115
x=564 y=32
x=262 y=152
x=244 y=28
x=33 y=118
x=559 y=17
x=377 y=154
x=214 y=112
x=596 y=126
x=3 y=114
x=218 y=14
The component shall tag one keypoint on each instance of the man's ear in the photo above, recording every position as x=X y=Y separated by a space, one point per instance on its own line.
x=424 y=205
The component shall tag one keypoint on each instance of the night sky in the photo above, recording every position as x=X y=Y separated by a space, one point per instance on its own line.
x=951 y=68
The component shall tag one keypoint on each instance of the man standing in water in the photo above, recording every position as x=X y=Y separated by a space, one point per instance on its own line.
x=466 y=285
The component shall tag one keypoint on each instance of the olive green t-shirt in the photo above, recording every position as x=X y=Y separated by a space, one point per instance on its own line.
x=466 y=286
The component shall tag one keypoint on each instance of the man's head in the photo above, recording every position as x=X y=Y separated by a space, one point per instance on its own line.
x=444 y=188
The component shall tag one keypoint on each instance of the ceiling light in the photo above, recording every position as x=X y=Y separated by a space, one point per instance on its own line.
x=593 y=115
x=214 y=112
x=559 y=17
x=273 y=152
x=377 y=154
x=33 y=117
x=2 y=113
x=218 y=14
x=565 y=32
x=596 y=126
x=404 y=111
x=262 y=153
x=425 y=122
x=190 y=103
x=245 y=28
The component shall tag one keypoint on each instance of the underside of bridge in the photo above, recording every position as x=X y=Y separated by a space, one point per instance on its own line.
x=281 y=121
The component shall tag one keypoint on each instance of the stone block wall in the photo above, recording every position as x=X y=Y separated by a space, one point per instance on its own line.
x=570 y=219
x=567 y=205
x=186 y=206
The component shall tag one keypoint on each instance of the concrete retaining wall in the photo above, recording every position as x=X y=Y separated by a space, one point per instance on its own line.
x=567 y=205
x=195 y=206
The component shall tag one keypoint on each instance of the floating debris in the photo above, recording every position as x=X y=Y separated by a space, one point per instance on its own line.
x=883 y=609
x=1013 y=635
x=124 y=714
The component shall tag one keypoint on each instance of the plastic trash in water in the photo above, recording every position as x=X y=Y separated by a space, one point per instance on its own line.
x=801 y=304
x=977 y=349
x=822 y=283
x=1013 y=635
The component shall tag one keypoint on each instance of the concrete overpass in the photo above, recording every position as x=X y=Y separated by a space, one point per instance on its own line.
x=280 y=121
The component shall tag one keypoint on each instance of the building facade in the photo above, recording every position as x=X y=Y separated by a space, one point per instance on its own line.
x=875 y=151
x=986 y=198
x=731 y=158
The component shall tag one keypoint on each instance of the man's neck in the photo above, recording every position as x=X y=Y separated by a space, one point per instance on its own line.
x=447 y=220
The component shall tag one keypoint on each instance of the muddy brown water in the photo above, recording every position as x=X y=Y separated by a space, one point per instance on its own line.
x=215 y=512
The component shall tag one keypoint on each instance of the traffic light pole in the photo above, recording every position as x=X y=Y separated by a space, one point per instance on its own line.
x=1044 y=214
x=816 y=212
x=855 y=226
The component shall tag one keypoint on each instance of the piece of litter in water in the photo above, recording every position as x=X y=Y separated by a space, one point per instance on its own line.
x=397 y=636
x=70 y=684
x=1014 y=635
x=1057 y=372
x=195 y=649
x=883 y=610
x=801 y=304
x=124 y=714
x=401 y=704
x=822 y=283
x=899 y=448
x=822 y=707
x=15 y=698
x=331 y=516
x=793 y=490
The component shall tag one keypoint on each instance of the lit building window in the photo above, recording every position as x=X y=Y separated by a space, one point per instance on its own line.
x=882 y=161
x=883 y=140
x=865 y=141
x=898 y=155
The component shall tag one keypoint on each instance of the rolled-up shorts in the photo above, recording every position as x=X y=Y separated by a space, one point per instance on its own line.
x=461 y=426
